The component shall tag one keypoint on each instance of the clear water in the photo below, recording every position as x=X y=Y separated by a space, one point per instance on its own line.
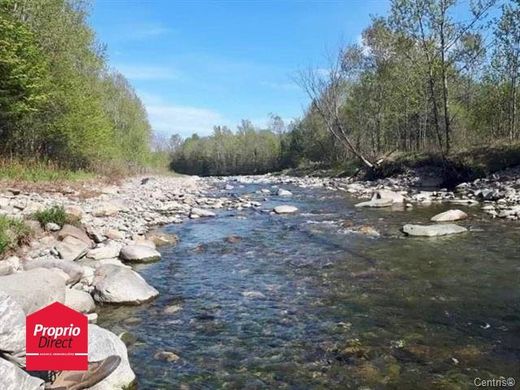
x=298 y=303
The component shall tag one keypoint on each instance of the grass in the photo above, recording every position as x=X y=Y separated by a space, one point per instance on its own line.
x=54 y=214
x=13 y=232
x=39 y=171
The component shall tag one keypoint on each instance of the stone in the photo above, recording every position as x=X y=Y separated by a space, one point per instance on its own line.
x=161 y=238
x=282 y=192
x=166 y=356
x=140 y=240
x=388 y=195
x=285 y=209
x=12 y=325
x=75 y=211
x=92 y=318
x=450 y=215
x=139 y=253
x=172 y=309
x=201 y=213
x=233 y=239
x=102 y=344
x=35 y=226
x=108 y=251
x=464 y=202
x=34 y=289
x=228 y=187
x=14 y=378
x=114 y=284
x=433 y=230
x=73 y=231
x=9 y=265
x=79 y=300
x=376 y=203
x=52 y=227
x=71 y=248
x=114 y=234
x=106 y=209
x=73 y=271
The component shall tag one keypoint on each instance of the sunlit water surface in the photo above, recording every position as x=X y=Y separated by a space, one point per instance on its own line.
x=301 y=303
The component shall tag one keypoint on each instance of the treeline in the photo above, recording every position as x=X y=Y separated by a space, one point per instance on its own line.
x=59 y=101
x=433 y=76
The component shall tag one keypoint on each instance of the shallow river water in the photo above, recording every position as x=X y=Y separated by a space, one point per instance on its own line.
x=300 y=303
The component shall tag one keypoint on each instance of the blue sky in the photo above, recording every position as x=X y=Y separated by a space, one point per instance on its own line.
x=196 y=64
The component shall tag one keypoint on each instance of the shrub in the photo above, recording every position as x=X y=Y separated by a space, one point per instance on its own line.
x=54 y=214
x=13 y=232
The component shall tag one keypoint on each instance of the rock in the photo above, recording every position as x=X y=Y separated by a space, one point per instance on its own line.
x=73 y=231
x=233 y=239
x=388 y=195
x=114 y=284
x=160 y=238
x=12 y=325
x=114 y=234
x=75 y=211
x=285 y=209
x=35 y=226
x=201 y=213
x=14 y=378
x=106 y=209
x=92 y=318
x=282 y=192
x=139 y=253
x=127 y=338
x=102 y=344
x=108 y=251
x=228 y=187
x=253 y=295
x=172 y=309
x=52 y=227
x=464 y=202
x=166 y=356
x=34 y=289
x=376 y=203
x=140 y=240
x=73 y=271
x=450 y=215
x=9 y=265
x=433 y=230
x=79 y=300
x=71 y=248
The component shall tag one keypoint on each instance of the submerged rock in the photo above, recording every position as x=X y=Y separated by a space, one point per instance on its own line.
x=433 y=230
x=282 y=192
x=196 y=212
x=285 y=209
x=450 y=215
x=114 y=284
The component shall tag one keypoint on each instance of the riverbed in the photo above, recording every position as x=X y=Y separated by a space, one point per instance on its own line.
x=250 y=299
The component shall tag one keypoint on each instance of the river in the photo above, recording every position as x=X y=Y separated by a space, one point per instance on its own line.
x=299 y=302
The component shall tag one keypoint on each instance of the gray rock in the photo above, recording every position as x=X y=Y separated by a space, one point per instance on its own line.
x=114 y=284
x=109 y=251
x=79 y=300
x=282 y=192
x=52 y=227
x=450 y=215
x=75 y=211
x=14 y=378
x=74 y=271
x=69 y=230
x=72 y=248
x=139 y=253
x=388 y=195
x=376 y=203
x=106 y=209
x=9 y=265
x=285 y=209
x=34 y=289
x=102 y=344
x=433 y=230
x=12 y=325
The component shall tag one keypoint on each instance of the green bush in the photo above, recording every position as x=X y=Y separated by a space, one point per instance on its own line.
x=54 y=214
x=13 y=232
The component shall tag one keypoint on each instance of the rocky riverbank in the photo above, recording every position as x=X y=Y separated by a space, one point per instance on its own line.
x=89 y=263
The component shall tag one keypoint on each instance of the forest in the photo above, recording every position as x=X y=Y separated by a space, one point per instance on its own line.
x=420 y=81
x=60 y=102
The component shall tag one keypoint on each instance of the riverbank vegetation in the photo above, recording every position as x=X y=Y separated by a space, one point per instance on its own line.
x=432 y=77
x=61 y=105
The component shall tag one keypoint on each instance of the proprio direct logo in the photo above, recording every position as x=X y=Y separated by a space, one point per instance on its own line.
x=56 y=339
x=495 y=382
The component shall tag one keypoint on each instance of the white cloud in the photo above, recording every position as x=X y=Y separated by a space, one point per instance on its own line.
x=147 y=72
x=185 y=120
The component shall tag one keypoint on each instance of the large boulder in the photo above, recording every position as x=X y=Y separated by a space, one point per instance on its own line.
x=114 y=284
x=79 y=300
x=12 y=325
x=72 y=248
x=282 y=192
x=108 y=251
x=450 y=215
x=69 y=230
x=285 y=209
x=139 y=253
x=433 y=230
x=14 y=378
x=395 y=197
x=73 y=270
x=197 y=212
x=102 y=344
x=34 y=289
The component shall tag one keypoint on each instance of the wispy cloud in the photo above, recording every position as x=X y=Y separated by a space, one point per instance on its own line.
x=147 y=72
x=148 y=30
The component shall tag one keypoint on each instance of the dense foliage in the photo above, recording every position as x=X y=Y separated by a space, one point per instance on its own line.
x=433 y=76
x=59 y=101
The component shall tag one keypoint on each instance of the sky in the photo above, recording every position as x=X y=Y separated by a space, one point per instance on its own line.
x=196 y=64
